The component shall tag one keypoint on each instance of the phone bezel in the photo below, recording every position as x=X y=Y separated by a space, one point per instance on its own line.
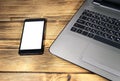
x=33 y=51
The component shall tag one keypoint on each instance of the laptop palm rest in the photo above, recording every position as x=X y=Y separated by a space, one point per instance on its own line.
x=102 y=58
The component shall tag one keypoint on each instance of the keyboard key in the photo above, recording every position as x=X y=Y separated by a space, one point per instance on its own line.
x=79 y=26
x=90 y=35
x=88 y=24
x=79 y=31
x=88 y=29
x=110 y=37
x=83 y=17
x=81 y=21
x=117 y=40
x=117 y=23
x=73 y=29
x=93 y=25
x=117 y=34
x=93 y=31
x=102 y=34
x=84 y=33
x=116 y=28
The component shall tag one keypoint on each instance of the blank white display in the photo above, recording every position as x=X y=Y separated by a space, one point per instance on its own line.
x=32 y=35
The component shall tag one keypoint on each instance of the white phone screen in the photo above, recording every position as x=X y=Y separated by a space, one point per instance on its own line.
x=32 y=35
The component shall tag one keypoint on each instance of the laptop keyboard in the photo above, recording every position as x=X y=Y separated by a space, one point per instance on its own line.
x=99 y=27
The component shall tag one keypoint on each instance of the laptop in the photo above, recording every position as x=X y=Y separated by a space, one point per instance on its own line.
x=92 y=38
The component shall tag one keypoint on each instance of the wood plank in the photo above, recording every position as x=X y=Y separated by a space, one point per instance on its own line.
x=13 y=30
x=37 y=2
x=36 y=9
x=31 y=8
x=10 y=60
x=14 y=44
x=49 y=77
x=51 y=17
x=87 y=77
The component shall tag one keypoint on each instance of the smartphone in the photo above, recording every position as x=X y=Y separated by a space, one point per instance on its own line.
x=32 y=37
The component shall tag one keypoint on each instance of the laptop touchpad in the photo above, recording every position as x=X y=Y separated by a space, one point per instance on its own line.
x=102 y=58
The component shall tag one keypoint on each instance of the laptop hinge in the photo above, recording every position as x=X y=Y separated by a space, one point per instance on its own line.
x=108 y=3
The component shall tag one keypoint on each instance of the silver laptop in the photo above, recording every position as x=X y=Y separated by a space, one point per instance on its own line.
x=92 y=38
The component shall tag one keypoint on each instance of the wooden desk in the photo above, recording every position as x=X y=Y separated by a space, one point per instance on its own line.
x=44 y=67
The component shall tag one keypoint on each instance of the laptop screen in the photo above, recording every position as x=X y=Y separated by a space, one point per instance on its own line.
x=109 y=3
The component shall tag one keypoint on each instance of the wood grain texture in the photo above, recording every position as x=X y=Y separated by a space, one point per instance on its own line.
x=11 y=61
x=49 y=77
x=12 y=30
x=50 y=9
x=46 y=67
